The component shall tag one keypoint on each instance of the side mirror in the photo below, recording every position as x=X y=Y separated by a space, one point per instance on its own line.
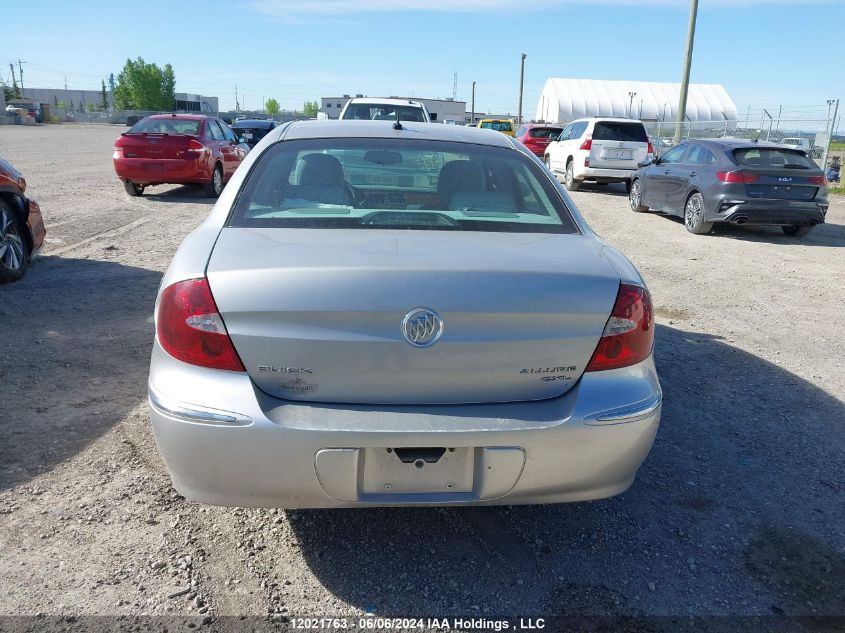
x=242 y=140
x=646 y=163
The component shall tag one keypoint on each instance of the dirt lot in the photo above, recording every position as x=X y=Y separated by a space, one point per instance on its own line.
x=738 y=509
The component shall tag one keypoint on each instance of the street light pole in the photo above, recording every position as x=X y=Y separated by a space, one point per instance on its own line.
x=472 y=114
x=521 y=80
x=631 y=94
x=829 y=131
x=682 y=105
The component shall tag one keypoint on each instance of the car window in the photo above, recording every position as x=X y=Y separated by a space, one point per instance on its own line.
x=700 y=155
x=399 y=183
x=227 y=132
x=166 y=126
x=499 y=126
x=566 y=133
x=674 y=155
x=376 y=112
x=544 y=132
x=620 y=131
x=214 y=130
x=578 y=129
x=781 y=158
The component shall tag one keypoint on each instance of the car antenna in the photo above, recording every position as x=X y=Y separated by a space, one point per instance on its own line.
x=398 y=124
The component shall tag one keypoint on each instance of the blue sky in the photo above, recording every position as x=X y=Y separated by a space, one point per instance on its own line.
x=765 y=52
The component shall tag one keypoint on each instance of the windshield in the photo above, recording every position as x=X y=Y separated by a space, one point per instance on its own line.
x=166 y=126
x=499 y=126
x=405 y=184
x=374 y=112
x=770 y=157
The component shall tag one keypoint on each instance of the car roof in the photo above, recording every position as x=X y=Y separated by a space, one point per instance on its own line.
x=614 y=119
x=333 y=128
x=533 y=125
x=386 y=101
x=183 y=117
x=253 y=123
x=734 y=143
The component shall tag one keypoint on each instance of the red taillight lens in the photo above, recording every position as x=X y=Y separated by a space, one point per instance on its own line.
x=817 y=180
x=195 y=144
x=190 y=329
x=736 y=176
x=629 y=333
x=650 y=148
x=588 y=143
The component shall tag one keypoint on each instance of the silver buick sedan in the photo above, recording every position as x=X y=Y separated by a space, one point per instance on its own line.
x=379 y=313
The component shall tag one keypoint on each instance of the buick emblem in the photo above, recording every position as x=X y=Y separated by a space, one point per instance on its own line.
x=422 y=327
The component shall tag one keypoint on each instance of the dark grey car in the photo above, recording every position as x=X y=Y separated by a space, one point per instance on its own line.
x=734 y=181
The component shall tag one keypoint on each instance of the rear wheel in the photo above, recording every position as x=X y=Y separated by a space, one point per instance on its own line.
x=569 y=179
x=796 y=230
x=14 y=252
x=694 y=215
x=548 y=162
x=214 y=187
x=635 y=197
x=133 y=189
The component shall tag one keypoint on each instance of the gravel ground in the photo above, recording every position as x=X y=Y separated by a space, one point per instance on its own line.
x=737 y=511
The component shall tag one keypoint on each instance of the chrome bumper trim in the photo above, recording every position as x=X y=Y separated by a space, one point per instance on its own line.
x=181 y=411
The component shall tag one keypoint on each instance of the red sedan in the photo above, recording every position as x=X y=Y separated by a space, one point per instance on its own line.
x=181 y=149
x=537 y=136
x=21 y=226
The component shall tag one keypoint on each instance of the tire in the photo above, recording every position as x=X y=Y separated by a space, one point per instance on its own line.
x=796 y=230
x=14 y=249
x=133 y=189
x=694 y=215
x=547 y=161
x=628 y=186
x=635 y=198
x=214 y=187
x=569 y=179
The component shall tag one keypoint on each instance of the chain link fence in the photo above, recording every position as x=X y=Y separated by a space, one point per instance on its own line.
x=809 y=135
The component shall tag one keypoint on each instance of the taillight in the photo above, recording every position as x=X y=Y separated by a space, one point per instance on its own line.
x=587 y=144
x=629 y=333
x=736 y=176
x=195 y=144
x=190 y=329
x=650 y=148
x=817 y=180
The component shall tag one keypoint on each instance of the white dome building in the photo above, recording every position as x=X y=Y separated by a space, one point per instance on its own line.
x=563 y=100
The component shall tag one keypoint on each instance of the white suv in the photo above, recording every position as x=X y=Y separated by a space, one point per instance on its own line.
x=378 y=109
x=599 y=149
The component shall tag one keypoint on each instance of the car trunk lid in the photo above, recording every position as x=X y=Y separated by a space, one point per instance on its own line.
x=618 y=145
x=318 y=314
x=157 y=145
x=779 y=173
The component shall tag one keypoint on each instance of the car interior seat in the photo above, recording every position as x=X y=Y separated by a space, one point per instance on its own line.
x=321 y=180
x=461 y=186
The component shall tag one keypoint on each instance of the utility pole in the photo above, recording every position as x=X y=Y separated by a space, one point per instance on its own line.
x=521 y=83
x=15 y=83
x=682 y=104
x=237 y=105
x=472 y=114
x=829 y=130
x=20 y=72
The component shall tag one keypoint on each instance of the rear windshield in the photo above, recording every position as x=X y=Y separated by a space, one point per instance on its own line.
x=166 y=126
x=773 y=157
x=544 y=132
x=499 y=126
x=399 y=184
x=373 y=112
x=619 y=131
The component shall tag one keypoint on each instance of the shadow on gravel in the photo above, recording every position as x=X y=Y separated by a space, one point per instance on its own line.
x=735 y=511
x=192 y=194
x=75 y=360
x=821 y=235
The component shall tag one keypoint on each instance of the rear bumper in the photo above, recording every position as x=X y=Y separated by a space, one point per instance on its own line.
x=154 y=171
x=769 y=212
x=225 y=443
x=600 y=174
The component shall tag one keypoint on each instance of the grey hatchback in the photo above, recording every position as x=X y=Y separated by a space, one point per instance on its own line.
x=734 y=181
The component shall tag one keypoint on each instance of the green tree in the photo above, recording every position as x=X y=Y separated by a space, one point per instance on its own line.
x=311 y=108
x=105 y=95
x=272 y=106
x=8 y=91
x=143 y=86
x=90 y=107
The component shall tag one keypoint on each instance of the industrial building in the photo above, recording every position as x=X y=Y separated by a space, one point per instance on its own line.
x=563 y=100
x=73 y=99
x=448 y=111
